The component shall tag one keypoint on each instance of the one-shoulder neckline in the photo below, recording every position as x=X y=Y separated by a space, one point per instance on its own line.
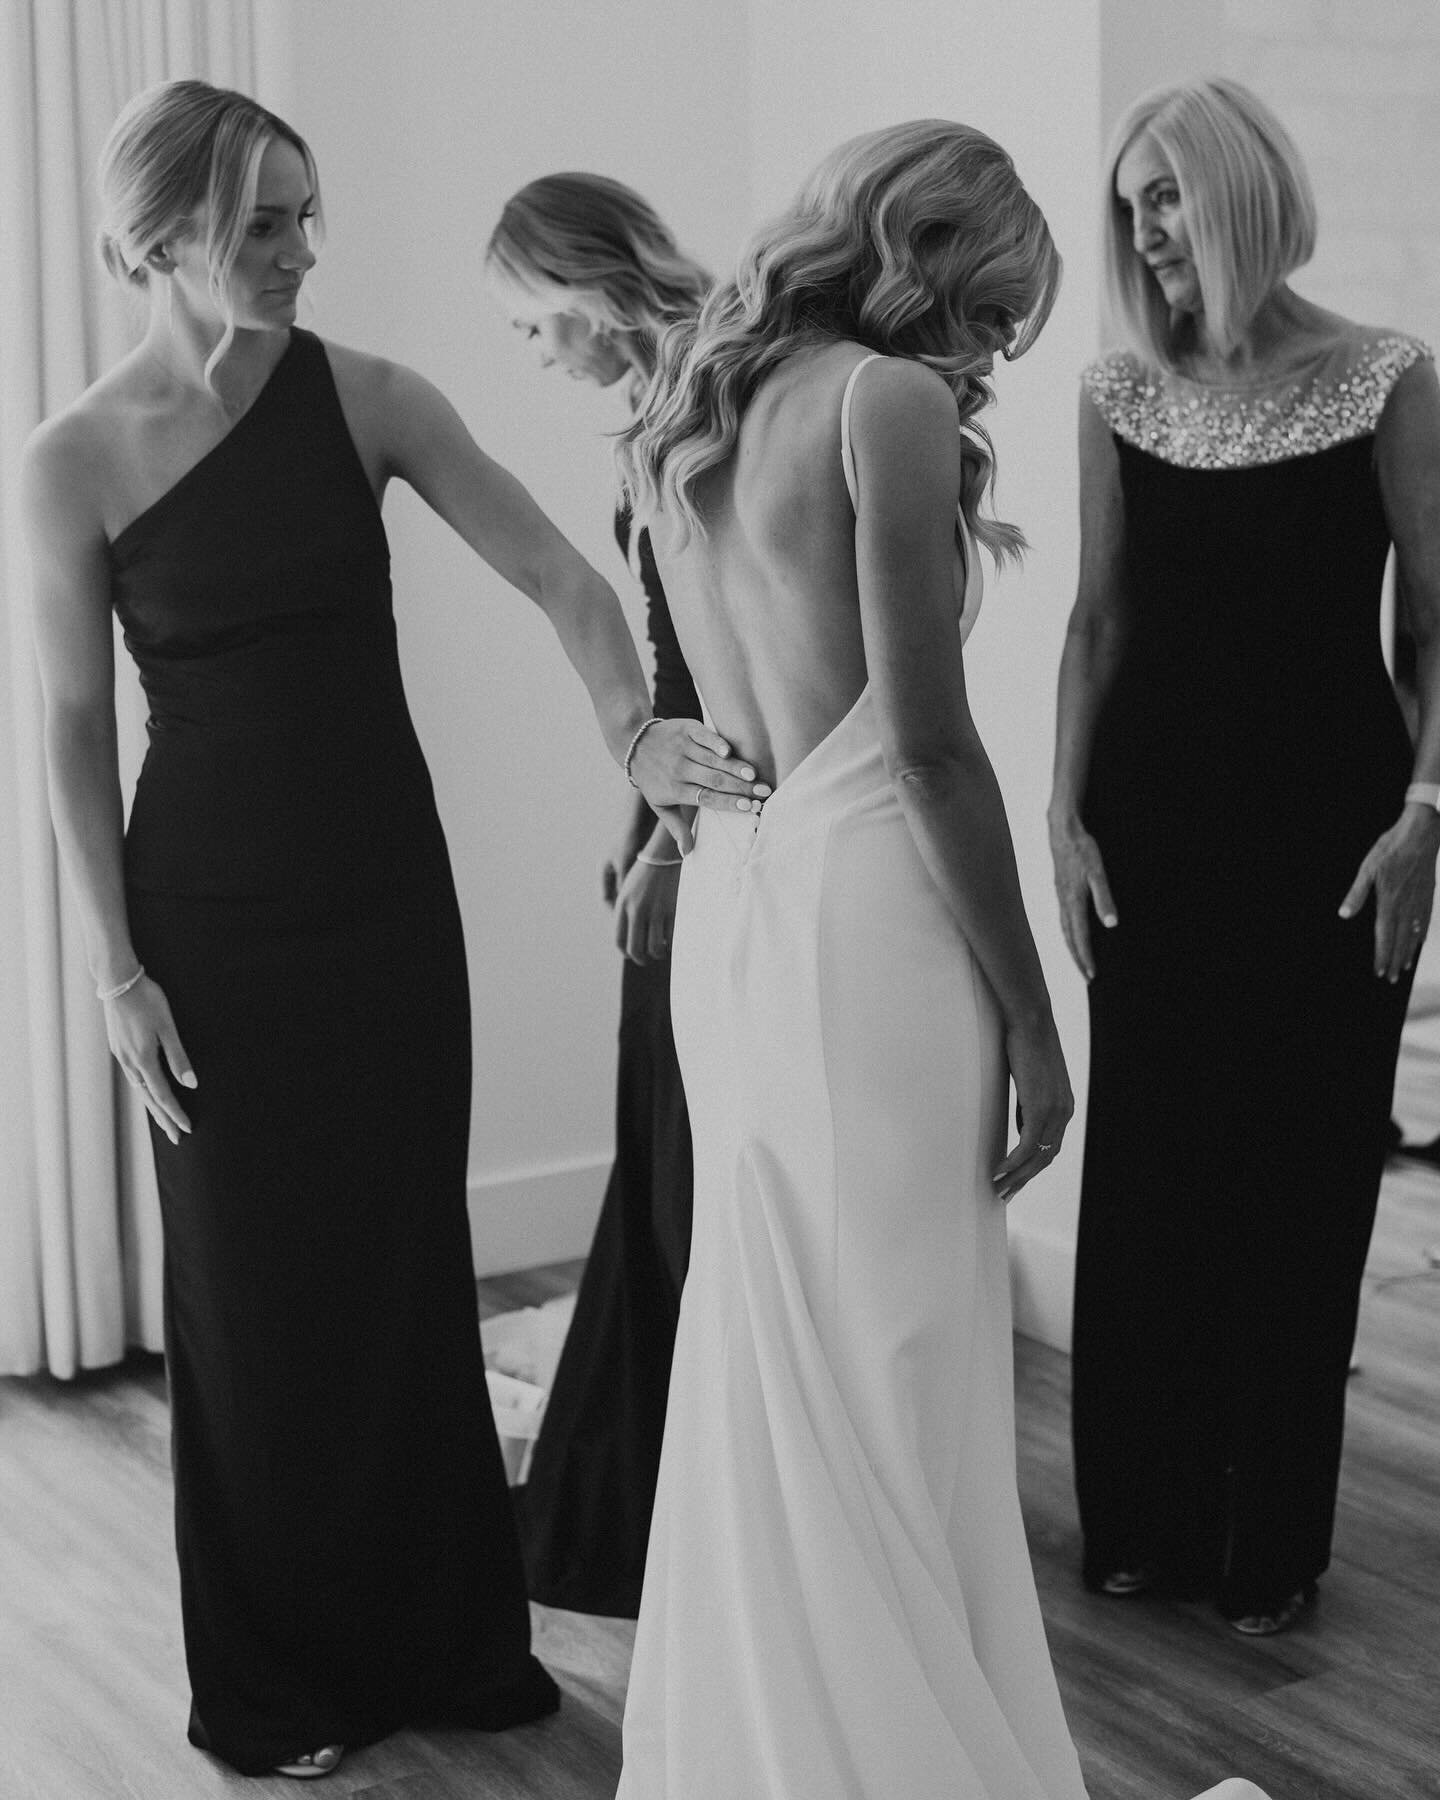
x=183 y=481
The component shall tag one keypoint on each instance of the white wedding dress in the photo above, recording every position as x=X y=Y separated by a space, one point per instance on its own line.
x=838 y=1599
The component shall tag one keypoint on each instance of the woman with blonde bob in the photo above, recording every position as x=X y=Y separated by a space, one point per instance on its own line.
x=1237 y=800
x=277 y=947
x=838 y=1598
x=588 y=272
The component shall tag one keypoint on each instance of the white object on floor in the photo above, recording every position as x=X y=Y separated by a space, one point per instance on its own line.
x=527 y=1343
x=522 y=1350
x=519 y=1408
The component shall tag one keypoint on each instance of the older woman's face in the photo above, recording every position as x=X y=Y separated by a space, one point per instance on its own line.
x=1149 y=197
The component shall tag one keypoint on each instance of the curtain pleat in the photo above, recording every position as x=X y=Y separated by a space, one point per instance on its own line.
x=79 y=1221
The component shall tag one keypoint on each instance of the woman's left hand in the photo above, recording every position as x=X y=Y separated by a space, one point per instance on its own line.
x=1400 y=868
x=645 y=909
x=682 y=763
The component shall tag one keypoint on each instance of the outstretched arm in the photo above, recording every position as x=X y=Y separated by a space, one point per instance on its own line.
x=907 y=454
x=427 y=444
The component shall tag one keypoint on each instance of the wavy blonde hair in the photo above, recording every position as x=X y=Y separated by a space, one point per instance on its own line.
x=1249 y=213
x=586 y=244
x=916 y=241
x=183 y=159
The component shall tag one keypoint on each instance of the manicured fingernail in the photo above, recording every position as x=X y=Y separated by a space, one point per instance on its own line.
x=1344 y=912
x=1110 y=919
x=747 y=774
x=188 y=1079
x=762 y=787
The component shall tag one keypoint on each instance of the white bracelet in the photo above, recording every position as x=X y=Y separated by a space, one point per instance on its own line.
x=659 y=862
x=633 y=746
x=1423 y=793
x=124 y=987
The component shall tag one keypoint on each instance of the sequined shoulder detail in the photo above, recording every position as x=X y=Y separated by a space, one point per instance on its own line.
x=1224 y=428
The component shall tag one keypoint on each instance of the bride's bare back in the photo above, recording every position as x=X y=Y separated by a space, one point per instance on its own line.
x=792 y=603
x=765 y=602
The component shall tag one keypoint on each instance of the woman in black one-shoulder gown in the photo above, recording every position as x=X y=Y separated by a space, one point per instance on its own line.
x=282 y=945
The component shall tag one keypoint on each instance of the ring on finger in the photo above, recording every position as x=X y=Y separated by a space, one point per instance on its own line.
x=1047 y=1146
x=700 y=793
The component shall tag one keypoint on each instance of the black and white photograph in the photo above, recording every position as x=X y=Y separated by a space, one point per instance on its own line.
x=719 y=806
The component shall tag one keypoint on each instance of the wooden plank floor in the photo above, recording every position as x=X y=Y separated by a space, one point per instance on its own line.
x=1163 y=1699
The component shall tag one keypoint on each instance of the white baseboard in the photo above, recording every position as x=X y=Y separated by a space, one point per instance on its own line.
x=1042 y=1280
x=521 y=1220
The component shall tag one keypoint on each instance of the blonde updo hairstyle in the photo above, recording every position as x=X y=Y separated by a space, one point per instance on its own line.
x=918 y=241
x=1249 y=214
x=183 y=159
x=581 y=243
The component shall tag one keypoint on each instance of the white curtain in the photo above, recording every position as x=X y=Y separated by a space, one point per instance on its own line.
x=79 y=1223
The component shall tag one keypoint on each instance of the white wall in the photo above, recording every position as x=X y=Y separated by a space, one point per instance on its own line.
x=423 y=118
x=1359 y=87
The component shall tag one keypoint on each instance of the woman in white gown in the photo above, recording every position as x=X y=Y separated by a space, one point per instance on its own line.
x=838 y=1600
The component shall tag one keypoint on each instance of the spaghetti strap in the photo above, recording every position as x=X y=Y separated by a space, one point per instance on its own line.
x=847 y=455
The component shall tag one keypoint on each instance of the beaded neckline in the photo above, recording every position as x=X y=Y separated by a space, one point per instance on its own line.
x=1199 y=426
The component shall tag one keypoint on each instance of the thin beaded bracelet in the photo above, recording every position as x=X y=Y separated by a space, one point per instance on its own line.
x=658 y=862
x=634 y=745
x=105 y=994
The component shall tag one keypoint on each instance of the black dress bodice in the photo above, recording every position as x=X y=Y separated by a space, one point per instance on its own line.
x=1251 y=735
x=255 y=599
x=1252 y=674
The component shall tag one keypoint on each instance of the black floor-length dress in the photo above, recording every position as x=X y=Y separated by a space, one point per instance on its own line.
x=348 y=1557
x=1242 y=1057
x=585 y=1509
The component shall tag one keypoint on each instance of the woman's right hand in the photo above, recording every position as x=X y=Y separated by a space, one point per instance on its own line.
x=645 y=910
x=1080 y=885
x=144 y=1041
x=631 y=842
x=682 y=763
x=1044 y=1103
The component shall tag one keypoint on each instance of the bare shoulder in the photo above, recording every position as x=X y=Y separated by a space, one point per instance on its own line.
x=69 y=459
x=1407 y=432
x=896 y=391
x=400 y=421
x=905 y=435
